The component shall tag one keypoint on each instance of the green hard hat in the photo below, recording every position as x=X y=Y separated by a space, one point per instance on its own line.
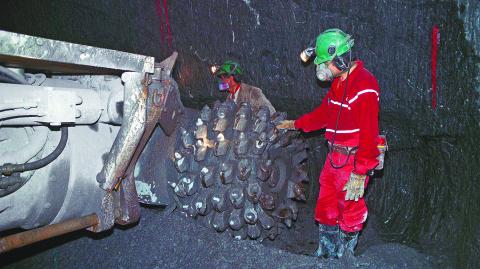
x=229 y=68
x=331 y=43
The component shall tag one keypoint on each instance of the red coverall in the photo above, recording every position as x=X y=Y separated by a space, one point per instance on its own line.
x=357 y=127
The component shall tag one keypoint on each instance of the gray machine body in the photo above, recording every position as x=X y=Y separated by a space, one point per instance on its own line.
x=90 y=90
x=67 y=187
x=64 y=189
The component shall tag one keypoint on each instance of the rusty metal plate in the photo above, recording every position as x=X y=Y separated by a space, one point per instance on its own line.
x=19 y=50
x=172 y=110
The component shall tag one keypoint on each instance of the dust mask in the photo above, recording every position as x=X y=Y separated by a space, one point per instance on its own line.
x=222 y=86
x=324 y=73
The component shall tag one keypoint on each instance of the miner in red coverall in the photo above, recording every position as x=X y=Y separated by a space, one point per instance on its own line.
x=349 y=114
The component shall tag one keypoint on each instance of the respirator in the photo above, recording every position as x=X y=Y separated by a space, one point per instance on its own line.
x=324 y=73
x=223 y=86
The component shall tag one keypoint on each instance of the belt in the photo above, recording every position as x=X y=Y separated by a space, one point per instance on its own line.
x=342 y=149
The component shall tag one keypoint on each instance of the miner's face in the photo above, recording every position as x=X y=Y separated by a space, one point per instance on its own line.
x=335 y=71
x=229 y=80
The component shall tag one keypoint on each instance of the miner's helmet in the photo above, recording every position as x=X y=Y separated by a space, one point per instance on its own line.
x=331 y=43
x=229 y=68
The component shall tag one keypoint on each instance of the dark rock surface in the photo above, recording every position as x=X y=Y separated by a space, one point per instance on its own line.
x=173 y=241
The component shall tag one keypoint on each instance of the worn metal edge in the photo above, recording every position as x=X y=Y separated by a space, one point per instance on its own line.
x=59 y=56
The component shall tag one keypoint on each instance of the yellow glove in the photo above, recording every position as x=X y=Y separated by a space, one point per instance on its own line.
x=286 y=124
x=355 y=187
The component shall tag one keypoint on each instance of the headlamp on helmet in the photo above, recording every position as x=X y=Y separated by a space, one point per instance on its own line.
x=214 y=69
x=307 y=54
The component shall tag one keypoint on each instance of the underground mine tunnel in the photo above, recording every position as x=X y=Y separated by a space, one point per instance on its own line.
x=119 y=150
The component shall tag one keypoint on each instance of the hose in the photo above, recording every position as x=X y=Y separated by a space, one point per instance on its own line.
x=16 y=113
x=11 y=184
x=9 y=169
x=7 y=75
x=10 y=179
x=10 y=106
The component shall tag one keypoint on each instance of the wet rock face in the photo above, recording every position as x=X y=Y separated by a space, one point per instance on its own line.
x=427 y=195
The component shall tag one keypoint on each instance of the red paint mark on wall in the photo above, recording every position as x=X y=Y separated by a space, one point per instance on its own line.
x=161 y=8
x=435 y=44
x=158 y=8
x=169 y=32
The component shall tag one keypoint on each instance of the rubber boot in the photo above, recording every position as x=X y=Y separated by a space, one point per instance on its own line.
x=327 y=241
x=346 y=244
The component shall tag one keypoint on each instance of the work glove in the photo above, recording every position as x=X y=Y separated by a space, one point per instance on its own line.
x=287 y=125
x=355 y=187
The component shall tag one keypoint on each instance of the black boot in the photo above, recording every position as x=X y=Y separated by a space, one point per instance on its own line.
x=346 y=244
x=327 y=241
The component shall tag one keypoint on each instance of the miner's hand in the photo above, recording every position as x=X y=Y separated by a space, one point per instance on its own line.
x=355 y=187
x=286 y=124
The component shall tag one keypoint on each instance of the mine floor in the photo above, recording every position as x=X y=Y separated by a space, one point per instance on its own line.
x=173 y=241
